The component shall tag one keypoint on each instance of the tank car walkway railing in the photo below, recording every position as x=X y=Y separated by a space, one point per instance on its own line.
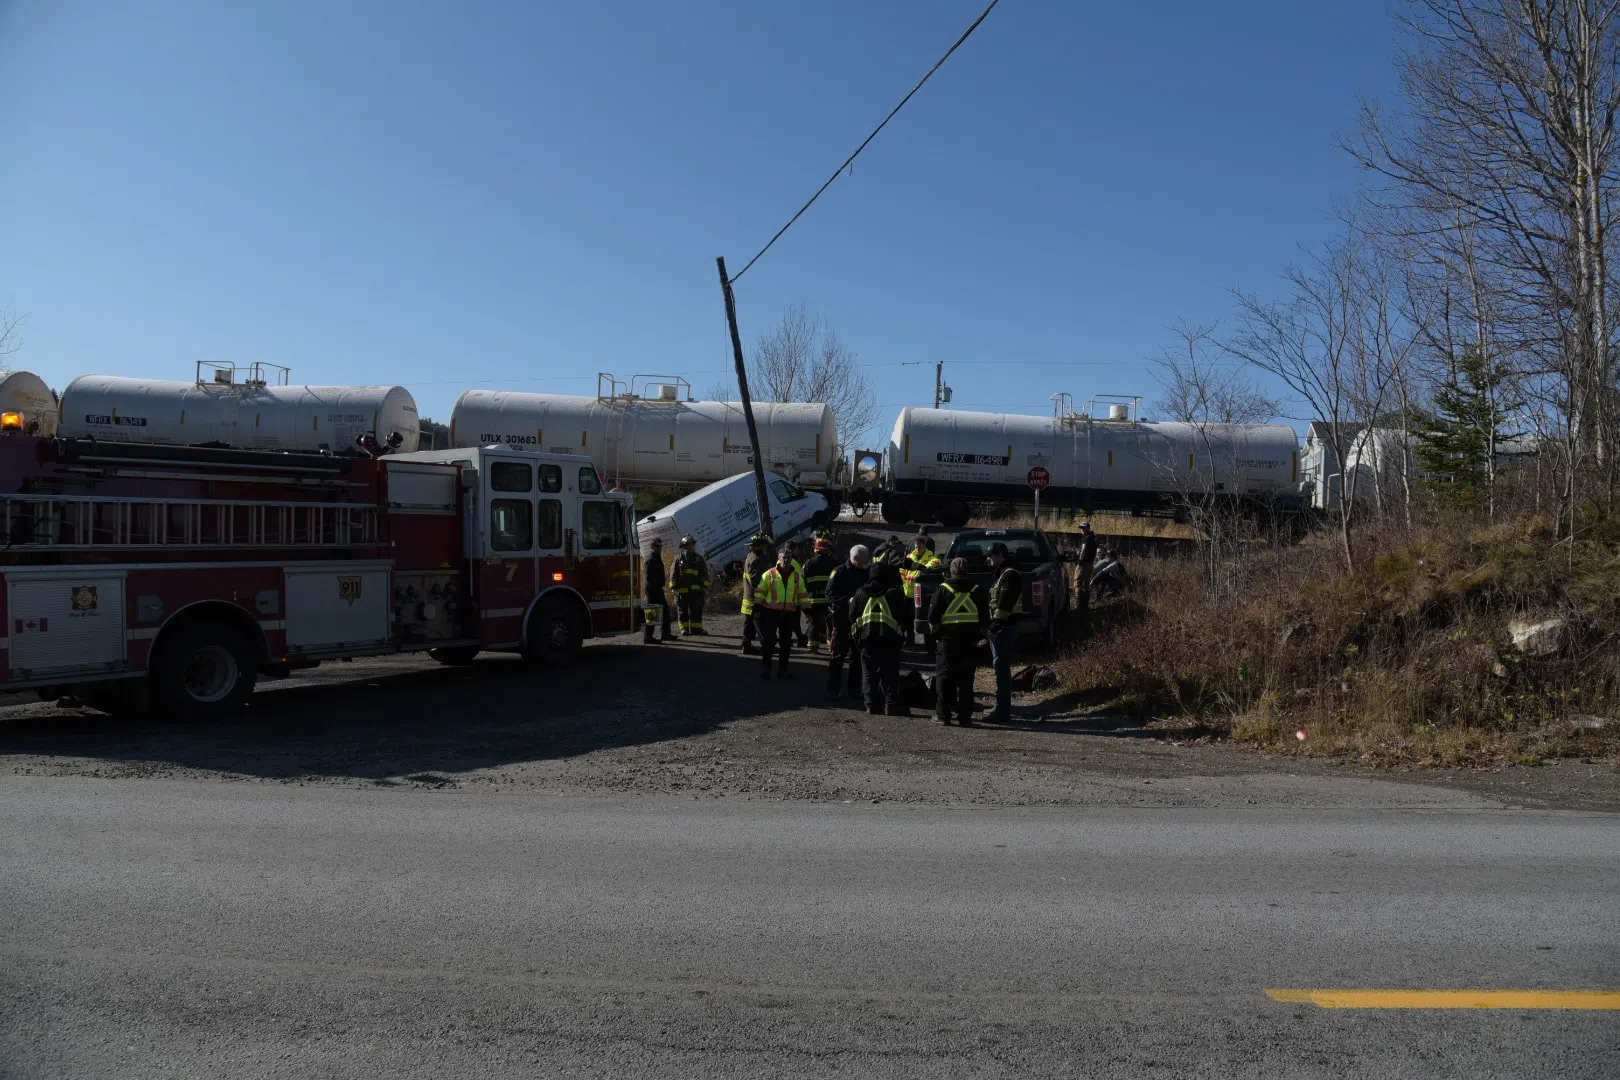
x=62 y=521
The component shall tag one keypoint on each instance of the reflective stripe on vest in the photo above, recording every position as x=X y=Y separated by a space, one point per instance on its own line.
x=780 y=594
x=877 y=613
x=961 y=611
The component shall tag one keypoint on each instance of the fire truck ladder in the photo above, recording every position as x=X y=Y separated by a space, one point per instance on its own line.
x=67 y=521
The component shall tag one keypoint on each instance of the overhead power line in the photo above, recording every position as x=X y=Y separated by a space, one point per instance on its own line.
x=851 y=159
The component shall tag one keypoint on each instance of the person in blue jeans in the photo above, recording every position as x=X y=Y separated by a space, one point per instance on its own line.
x=1006 y=604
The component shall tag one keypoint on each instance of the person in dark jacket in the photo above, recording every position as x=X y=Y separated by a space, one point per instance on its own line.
x=818 y=573
x=1087 y=559
x=656 y=580
x=882 y=620
x=959 y=617
x=1006 y=605
x=842 y=586
x=761 y=557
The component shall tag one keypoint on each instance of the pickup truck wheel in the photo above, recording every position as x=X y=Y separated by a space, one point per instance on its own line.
x=555 y=634
x=459 y=656
x=202 y=670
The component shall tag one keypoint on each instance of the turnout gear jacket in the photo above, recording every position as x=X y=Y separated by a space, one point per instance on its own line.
x=818 y=574
x=754 y=567
x=959 y=610
x=691 y=572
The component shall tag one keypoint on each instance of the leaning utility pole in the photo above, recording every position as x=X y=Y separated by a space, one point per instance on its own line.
x=747 y=403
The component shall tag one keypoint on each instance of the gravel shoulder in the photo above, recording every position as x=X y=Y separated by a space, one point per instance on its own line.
x=695 y=719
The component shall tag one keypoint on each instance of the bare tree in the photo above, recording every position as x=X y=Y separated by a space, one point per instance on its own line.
x=1511 y=135
x=1322 y=341
x=10 y=338
x=800 y=359
x=1201 y=387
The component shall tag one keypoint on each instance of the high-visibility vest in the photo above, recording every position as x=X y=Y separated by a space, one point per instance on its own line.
x=778 y=593
x=877 y=613
x=997 y=612
x=960 y=610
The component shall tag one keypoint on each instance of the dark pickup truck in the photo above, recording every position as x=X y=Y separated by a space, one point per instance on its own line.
x=1046 y=588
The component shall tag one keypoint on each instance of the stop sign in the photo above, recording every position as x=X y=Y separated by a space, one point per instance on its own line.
x=1038 y=477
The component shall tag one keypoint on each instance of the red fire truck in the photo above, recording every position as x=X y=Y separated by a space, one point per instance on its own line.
x=171 y=577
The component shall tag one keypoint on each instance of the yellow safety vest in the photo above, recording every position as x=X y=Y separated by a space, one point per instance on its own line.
x=961 y=611
x=779 y=593
x=877 y=613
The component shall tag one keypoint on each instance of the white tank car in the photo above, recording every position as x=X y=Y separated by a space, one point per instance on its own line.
x=249 y=415
x=26 y=393
x=939 y=460
x=655 y=438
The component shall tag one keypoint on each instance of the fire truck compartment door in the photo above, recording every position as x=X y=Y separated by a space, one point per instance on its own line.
x=65 y=623
x=335 y=604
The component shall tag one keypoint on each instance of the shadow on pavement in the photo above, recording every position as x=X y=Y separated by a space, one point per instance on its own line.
x=408 y=717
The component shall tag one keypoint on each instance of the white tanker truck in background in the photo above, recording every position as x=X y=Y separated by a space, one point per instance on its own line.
x=250 y=407
x=651 y=431
x=940 y=463
x=940 y=466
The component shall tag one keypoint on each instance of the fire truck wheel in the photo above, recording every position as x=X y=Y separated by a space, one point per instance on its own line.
x=202 y=670
x=555 y=635
x=460 y=656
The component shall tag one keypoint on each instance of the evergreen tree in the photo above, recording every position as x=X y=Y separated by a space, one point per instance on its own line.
x=1458 y=445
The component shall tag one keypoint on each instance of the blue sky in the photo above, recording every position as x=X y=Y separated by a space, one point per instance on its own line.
x=520 y=194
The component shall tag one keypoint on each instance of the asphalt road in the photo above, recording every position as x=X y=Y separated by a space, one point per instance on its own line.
x=207 y=928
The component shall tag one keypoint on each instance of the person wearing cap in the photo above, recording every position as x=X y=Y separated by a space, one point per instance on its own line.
x=777 y=601
x=1006 y=605
x=882 y=621
x=959 y=617
x=760 y=559
x=691 y=588
x=920 y=560
x=818 y=573
x=842 y=586
x=653 y=593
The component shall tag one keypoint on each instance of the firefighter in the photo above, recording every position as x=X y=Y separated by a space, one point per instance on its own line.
x=959 y=617
x=817 y=574
x=920 y=559
x=882 y=621
x=759 y=559
x=777 y=600
x=844 y=583
x=654 y=594
x=1006 y=605
x=691 y=588
x=801 y=555
x=1088 y=561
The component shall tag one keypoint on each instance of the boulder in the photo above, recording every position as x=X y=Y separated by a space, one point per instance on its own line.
x=1538 y=637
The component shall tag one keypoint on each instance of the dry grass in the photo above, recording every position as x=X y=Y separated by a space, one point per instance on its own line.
x=1104 y=525
x=1408 y=661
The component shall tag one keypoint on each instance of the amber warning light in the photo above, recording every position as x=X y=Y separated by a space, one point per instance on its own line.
x=11 y=422
x=556 y=575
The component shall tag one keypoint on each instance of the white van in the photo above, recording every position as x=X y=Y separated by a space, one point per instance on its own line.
x=725 y=514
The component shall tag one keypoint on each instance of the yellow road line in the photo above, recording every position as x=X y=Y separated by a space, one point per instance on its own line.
x=1452 y=999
